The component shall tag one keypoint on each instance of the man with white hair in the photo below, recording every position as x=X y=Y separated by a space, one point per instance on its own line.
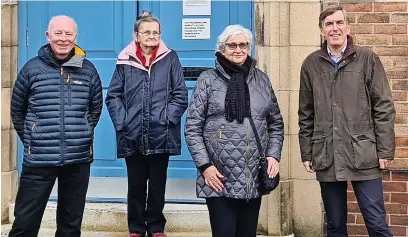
x=55 y=107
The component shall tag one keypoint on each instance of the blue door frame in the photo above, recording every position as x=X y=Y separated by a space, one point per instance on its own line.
x=118 y=18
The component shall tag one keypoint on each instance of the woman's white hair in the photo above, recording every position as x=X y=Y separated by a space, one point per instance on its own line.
x=231 y=31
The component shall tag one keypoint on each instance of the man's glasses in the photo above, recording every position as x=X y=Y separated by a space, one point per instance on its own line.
x=148 y=33
x=233 y=46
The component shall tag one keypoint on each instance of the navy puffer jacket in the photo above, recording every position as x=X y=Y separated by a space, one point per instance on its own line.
x=55 y=109
x=146 y=105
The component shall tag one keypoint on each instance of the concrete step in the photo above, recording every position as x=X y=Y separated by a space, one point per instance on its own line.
x=109 y=220
x=111 y=217
x=47 y=232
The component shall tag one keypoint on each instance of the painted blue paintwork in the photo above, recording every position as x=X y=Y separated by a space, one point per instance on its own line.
x=104 y=32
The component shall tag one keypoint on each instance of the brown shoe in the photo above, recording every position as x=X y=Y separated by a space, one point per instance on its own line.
x=159 y=235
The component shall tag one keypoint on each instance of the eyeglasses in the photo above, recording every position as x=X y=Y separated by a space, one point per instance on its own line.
x=233 y=46
x=148 y=33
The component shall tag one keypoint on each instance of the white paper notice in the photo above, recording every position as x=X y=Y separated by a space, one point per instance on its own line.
x=196 y=28
x=197 y=7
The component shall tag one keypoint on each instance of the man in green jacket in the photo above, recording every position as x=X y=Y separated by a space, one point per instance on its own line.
x=346 y=120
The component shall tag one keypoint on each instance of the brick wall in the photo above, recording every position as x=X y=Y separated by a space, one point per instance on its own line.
x=383 y=27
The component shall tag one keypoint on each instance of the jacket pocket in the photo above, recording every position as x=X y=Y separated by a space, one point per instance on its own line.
x=320 y=157
x=364 y=151
x=87 y=124
x=32 y=131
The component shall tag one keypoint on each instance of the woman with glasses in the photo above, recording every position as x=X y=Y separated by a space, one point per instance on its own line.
x=146 y=99
x=221 y=140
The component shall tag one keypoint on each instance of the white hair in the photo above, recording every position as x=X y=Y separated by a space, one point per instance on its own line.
x=62 y=16
x=231 y=31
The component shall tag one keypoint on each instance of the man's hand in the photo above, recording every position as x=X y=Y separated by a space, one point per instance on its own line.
x=384 y=163
x=308 y=166
x=273 y=167
x=213 y=178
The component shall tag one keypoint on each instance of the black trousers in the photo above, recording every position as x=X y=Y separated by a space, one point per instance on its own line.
x=233 y=217
x=34 y=191
x=146 y=172
x=370 y=200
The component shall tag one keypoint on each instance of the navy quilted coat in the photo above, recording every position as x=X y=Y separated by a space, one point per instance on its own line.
x=231 y=146
x=146 y=105
x=55 y=109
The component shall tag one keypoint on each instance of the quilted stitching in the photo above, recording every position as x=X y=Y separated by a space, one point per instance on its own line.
x=231 y=147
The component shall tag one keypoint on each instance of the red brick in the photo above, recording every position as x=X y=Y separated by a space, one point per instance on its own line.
x=399 y=220
x=399 y=18
x=399 y=95
x=401 y=119
x=390 y=7
x=351 y=197
x=373 y=39
x=401 y=152
x=386 y=175
x=395 y=208
x=399 y=175
x=400 y=39
x=395 y=186
x=353 y=208
x=399 y=230
x=399 y=198
x=351 y=218
x=387 y=197
x=401 y=62
x=373 y=18
x=391 y=50
x=400 y=74
x=358 y=7
x=401 y=85
x=361 y=28
x=399 y=164
x=356 y=230
x=350 y=187
x=390 y=29
x=359 y=219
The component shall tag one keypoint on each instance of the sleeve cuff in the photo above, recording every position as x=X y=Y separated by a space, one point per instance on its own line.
x=204 y=167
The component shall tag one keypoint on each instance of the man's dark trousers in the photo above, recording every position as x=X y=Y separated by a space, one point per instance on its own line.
x=370 y=200
x=33 y=193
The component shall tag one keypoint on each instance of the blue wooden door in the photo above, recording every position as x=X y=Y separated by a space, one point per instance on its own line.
x=104 y=29
x=195 y=52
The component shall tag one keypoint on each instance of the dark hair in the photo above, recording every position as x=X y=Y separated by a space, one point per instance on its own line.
x=330 y=11
x=145 y=16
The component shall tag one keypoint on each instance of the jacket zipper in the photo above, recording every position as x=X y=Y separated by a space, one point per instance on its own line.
x=62 y=94
x=69 y=89
x=246 y=161
x=32 y=130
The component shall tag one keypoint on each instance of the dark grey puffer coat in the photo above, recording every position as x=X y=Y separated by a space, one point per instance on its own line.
x=230 y=146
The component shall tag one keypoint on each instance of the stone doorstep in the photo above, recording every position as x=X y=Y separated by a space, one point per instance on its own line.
x=47 y=232
x=112 y=217
x=109 y=220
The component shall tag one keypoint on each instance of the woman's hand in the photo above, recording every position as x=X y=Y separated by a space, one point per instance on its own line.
x=273 y=167
x=213 y=178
